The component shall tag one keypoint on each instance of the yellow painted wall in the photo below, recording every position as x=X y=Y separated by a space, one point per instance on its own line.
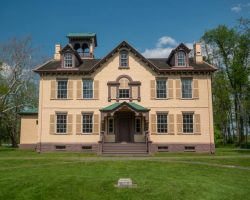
x=138 y=72
x=29 y=129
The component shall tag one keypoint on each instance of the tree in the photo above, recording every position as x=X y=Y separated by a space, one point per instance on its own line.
x=232 y=47
x=18 y=89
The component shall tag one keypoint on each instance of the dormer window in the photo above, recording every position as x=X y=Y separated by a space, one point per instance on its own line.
x=68 y=60
x=124 y=59
x=181 y=58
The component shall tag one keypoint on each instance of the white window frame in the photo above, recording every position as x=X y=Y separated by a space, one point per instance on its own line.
x=181 y=59
x=188 y=123
x=68 y=60
x=66 y=120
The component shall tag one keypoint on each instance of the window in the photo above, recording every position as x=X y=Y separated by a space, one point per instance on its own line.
x=61 y=123
x=62 y=89
x=87 y=123
x=138 y=125
x=188 y=123
x=161 y=91
x=68 y=60
x=60 y=147
x=124 y=91
x=87 y=89
x=162 y=123
x=186 y=88
x=110 y=125
x=181 y=58
x=124 y=58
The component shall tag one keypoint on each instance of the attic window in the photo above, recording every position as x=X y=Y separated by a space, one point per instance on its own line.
x=123 y=59
x=68 y=60
x=181 y=58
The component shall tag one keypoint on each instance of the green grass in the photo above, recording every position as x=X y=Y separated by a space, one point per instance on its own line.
x=26 y=175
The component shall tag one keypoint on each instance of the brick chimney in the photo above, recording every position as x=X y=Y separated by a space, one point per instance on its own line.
x=57 y=55
x=197 y=53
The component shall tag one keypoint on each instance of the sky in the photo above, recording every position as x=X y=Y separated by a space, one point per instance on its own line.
x=153 y=27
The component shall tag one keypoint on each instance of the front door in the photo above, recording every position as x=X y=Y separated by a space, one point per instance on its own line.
x=124 y=130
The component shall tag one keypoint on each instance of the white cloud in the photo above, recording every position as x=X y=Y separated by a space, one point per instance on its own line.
x=157 y=52
x=240 y=7
x=163 y=47
x=236 y=8
x=166 y=40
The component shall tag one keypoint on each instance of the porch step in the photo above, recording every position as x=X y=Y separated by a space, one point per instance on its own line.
x=124 y=148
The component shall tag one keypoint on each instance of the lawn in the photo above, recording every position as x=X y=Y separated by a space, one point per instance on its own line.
x=76 y=176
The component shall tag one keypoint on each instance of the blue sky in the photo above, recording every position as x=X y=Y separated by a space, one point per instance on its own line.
x=151 y=26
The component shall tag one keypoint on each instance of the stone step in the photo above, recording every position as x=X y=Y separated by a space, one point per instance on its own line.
x=125 y=148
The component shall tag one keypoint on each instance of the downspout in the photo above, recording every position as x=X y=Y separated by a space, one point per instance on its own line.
x=210 y=110
x=40 y=114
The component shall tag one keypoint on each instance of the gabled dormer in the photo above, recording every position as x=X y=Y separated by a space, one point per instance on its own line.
x=179 y=56
x=69 y=57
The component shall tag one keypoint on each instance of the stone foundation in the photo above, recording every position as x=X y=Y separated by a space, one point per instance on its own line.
x=28 y=146
x=96 y=147
x=166 y=147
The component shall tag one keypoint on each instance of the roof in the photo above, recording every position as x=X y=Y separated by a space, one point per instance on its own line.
x=132 y=105
x=29 y=111
x=81 y=35
x=157 y=64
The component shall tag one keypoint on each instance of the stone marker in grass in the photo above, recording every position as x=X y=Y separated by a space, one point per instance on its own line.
x=125 y=183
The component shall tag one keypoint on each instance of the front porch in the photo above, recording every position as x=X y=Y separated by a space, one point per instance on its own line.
x=124 y=128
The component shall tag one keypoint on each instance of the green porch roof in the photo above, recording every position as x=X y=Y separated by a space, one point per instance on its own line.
x=29 y=111
x=134 y=106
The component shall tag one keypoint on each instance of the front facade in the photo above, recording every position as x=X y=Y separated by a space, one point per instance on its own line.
x=123 y=103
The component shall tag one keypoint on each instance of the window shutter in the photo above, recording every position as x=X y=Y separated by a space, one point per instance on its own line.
x=52 y=124
x=171 y=124
x=170 y=89
x=70 y=89
x=79 y=89
x=96 y=124
x=179 y=124
x=178 y=88
x=134 y=92
x=152 y=89
x=197 y=125
x=113 y=92
x=69 y=124
x=195 y=88
x=153 y=124
x=78 y=124
x=96 y=89
x=53 y=89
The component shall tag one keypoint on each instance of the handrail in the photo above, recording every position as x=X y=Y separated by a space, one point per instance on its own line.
x=102 y=140
x=147 y=139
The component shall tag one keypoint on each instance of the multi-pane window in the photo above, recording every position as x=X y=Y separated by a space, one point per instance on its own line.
x=162 y=123
x=68 y=60
x=138 y=125
x=161 y=91
x=186 y=87
x=87 y=89
x=124 y=93
x=61 y=123
x=62 y=89
x=188 y=125
x=181 y=58
x=87 y=123
x=110 y=125
x=123 y=58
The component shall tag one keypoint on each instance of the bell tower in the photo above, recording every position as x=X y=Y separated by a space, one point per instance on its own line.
x=83 y=43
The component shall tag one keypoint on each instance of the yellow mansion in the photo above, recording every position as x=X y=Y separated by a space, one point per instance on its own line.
x=123 y=103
